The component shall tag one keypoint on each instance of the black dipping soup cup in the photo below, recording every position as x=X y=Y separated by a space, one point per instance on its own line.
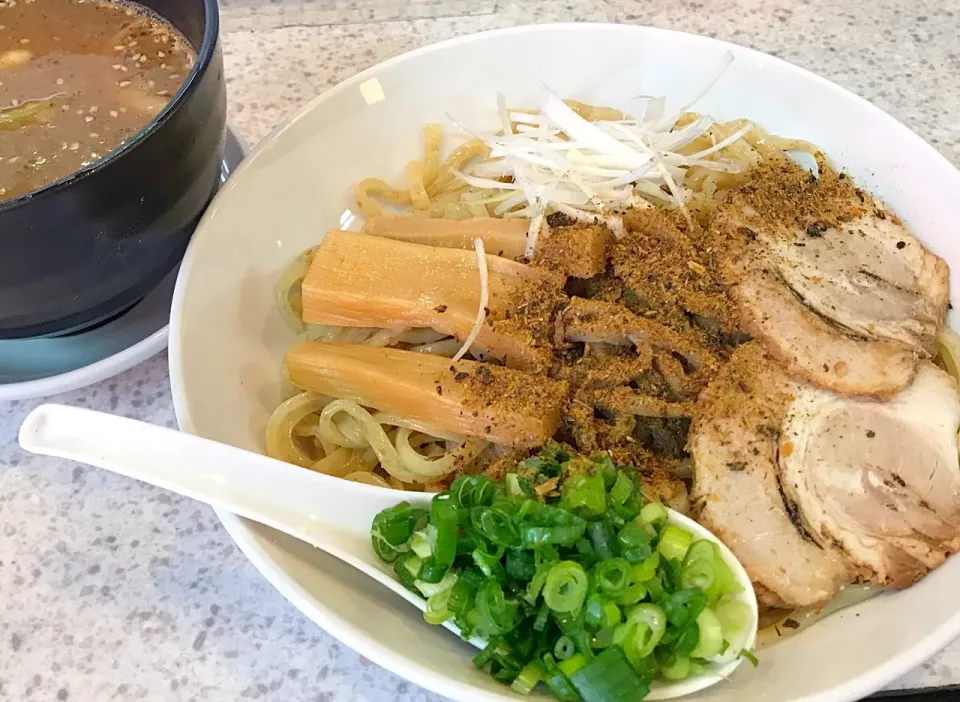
x=84 y=249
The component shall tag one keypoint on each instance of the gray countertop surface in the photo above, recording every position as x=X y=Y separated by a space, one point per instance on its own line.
x=113 y=590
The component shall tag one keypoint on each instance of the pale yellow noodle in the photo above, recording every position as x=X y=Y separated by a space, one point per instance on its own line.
x=280 y=439
x=422 y=335
x=367 y=478
x=594 y=113
x=431 y=153
x=418 y=191
x=433 y=468
x=456 y=161
x=397 y=484
x=395 y=420
x=370 y=188
x=386 y=337
x=446 y=347
x=287 y=290
x=440 y=202
x=338 y=464
x=373 y=433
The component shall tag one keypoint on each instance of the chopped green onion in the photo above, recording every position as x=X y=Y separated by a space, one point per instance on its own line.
x=585 y=495
x=443 y=516
x=589 y=574
x=636 y=540
x=529 y=676
x=726 y=582
x=497 y=615
x=572 y=664
x=437 y=611
x=654 y=513
x=734 y=616
x=487 y=559
x=612 y=575
x=424 y=541
x=711 y=635
x=609 y=678
x=604 y=539
x=431 y=589
x=600 y=614
x=564 y=648
x=674 y=542
x=602 y=639
x=684 y=606
x=535 y=586
x=563 y=535
x=406 y=567
x=472 y=491
x=698 y=573
x=641 y=632
x=646 y=571
x=543 y=616
x=678 y=669
x=463 y=592
x=748 y=655
x=498 y=526
x=632 y=594
x=520 y=565
x=566 y=587
x=622 y=490
x=494 y=649
x=603 y=465
x=558 y=683
x=392 y=529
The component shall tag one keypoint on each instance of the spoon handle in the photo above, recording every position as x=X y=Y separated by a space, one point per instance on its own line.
x=329 y=513
x=332 y=514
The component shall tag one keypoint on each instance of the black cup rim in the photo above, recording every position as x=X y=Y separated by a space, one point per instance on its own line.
x=205 y=54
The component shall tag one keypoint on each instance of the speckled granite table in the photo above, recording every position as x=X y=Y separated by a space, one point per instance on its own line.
x=111 y=590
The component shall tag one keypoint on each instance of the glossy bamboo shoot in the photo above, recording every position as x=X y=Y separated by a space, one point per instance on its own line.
x=501 y=237
x=501 y=405
x=367 y=281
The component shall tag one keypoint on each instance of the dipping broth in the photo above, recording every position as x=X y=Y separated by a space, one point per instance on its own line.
x=77 y=79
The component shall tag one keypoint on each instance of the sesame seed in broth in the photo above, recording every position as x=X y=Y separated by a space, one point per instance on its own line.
x=84 y=77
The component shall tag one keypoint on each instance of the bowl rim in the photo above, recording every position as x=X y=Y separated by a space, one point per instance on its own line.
x=205 y=56
x=243 y=532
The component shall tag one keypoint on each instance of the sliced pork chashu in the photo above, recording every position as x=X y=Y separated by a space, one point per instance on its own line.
x=736 y=488
x=812 y=490
x=881 y=480
x=836 y=267
x=808 y=346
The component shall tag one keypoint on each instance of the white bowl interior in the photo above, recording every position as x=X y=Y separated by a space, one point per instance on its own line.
x=227 y=339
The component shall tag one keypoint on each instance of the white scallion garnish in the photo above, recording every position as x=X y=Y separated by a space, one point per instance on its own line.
x=484 y=300
x=557 y=161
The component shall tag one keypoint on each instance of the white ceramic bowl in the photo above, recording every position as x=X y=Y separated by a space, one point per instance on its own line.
x=226 y=340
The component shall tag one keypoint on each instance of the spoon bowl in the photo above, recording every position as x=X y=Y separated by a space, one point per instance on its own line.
x=332 y=514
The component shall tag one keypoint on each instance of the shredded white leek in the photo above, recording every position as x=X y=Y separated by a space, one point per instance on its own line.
x=554 y=160
x=484 y=300
x=533 y=233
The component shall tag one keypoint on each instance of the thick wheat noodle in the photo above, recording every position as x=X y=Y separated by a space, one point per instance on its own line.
x=455 y=162
x=432 y=146
x=349 y=440
x=369 y=188
x=419 y=199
